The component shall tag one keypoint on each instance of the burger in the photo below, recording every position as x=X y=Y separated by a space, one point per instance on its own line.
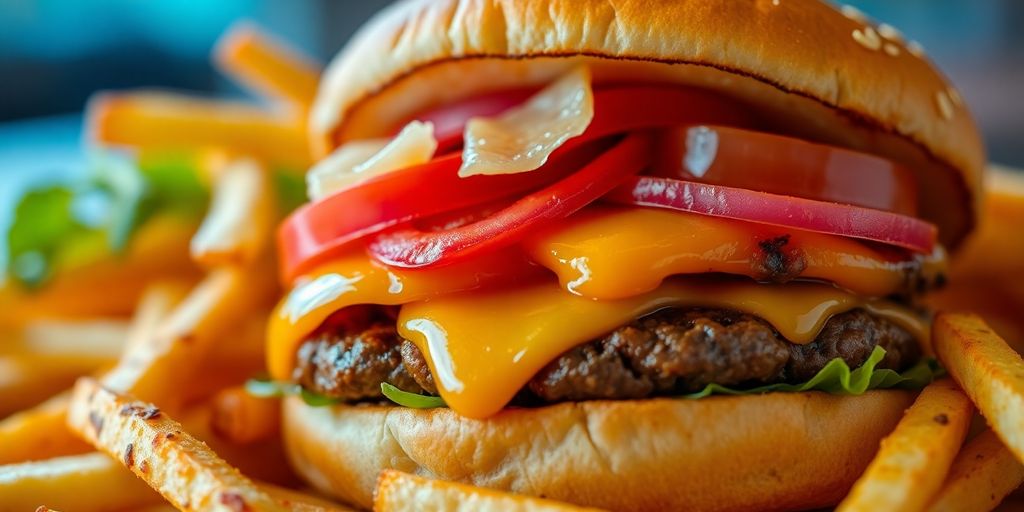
x=633 y=255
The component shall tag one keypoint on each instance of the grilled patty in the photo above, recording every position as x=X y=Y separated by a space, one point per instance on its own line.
x=669 y=352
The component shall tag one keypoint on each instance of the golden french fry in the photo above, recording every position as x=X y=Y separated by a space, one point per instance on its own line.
x=981 y=476
x=156 y=448
x=162 y=367
x=914 y=459
x=267 y=66
x=242 y=418
x=39 y=433
x=400 y=492
x=27 y=379
x=988 y=370
x=238 y=226
x=90 y=482
x=152 y=119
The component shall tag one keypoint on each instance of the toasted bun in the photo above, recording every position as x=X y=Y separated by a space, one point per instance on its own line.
x=822 y=74
x=778 y=451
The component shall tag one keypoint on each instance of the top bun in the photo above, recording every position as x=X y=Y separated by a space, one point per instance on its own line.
x=811 y=70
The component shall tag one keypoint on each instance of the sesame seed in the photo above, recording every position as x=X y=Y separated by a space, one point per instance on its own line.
x=867 y=38
x=945 y=105
x=853 y=13
x=775 y=2
x=955 y=96
x=890 y=32
x=915 y=49
x=891 y=50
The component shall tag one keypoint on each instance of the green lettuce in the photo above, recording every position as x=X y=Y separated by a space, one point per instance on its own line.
x=93 y=216
x=835 y=378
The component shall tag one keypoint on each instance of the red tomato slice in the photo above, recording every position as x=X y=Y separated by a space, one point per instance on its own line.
x=735 y=157
x=414 y=248
x=778 y=210
x=316 y=231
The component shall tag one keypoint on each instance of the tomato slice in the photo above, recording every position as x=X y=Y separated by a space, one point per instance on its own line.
x=316 y=231
x=412 y=248
x=778 y=210
x=766 y=162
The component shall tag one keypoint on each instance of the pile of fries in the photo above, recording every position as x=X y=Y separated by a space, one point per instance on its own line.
x=150 y=412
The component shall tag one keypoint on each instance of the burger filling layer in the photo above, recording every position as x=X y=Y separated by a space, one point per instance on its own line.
x=670 y=352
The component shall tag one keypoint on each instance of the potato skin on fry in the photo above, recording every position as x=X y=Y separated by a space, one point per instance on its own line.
x=183 y=469
x=988 y=370
x=981 y=476
x=914 y=459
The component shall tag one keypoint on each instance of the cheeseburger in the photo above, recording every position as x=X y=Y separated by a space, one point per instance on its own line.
x=637 y=255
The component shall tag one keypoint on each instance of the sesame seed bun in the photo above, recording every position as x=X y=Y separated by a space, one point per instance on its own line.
x=819 y=73
x=781 y=451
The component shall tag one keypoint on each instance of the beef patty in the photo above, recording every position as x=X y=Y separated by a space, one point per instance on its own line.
x=672 y=351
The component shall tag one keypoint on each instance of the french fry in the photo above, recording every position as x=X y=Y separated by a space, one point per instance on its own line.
x=39 y=433
x=400 y=492
x=242 y=418
x=914 y=459
x=27 y=379
x=90 y=482
x=241 y=217
x=156 y=448
x=981 y=476
x=162 y=368
x=988 y=370
x=267 y=66
x=172 y=121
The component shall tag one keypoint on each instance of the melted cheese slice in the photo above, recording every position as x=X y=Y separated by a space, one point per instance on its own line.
x=483 y=347
x=357 y=279
x=610 y=253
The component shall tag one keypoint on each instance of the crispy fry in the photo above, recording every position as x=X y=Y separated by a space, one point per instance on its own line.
x=399 y=492
x=267 y=66
x=183 y=469
x=914 y=459
x=39 y=433
x=989 y=371
x=27 y=379
x=981 y=476
x=165 y=120
x=85 y=483
x=162 y=368
x=241 y=217
x=242 y=418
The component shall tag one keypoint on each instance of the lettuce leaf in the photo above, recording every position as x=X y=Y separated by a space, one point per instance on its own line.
x=835 y=378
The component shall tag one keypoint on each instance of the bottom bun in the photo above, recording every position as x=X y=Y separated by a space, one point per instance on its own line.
x=780 y=451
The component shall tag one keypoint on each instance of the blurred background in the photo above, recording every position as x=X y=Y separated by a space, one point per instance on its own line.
x=55 y=53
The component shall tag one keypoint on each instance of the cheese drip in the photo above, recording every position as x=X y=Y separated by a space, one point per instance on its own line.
x=611 y=253
x=356 y=279
x=483 y=347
